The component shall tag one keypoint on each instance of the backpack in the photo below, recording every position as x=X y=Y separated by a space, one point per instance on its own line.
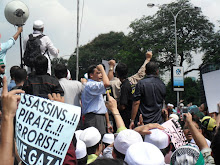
x=32 y=50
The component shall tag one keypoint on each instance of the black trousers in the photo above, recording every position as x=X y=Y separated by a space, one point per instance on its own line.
x=95 y=120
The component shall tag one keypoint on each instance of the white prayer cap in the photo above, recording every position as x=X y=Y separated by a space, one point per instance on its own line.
x=80 y=149
x=144 y=154
x=181 y=105
x=171 y=105
x=90 y=136
x=38 y=24
x=125 y=139
x=78 y=133
x=174 y=116
x=108 y=138
x=157 y=138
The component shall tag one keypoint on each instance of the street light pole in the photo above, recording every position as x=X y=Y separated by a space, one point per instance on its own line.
x=77 y=43
x=175 y=32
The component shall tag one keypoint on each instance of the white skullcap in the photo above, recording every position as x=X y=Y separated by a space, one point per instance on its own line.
x=80 y=149
x=170 y=105
x=174 y=116
x=157 y=138
x=90 y=136
x=38 y=24
x=108 y=138
x=78 y=133
x=126 y=138
x=181 y=105
x=144 y=154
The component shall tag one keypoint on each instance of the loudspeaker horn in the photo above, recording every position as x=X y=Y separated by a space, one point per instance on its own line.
x=16 y=12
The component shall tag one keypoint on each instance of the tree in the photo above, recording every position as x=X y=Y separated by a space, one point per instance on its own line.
x=191 y=92
x=212 y=49
x=103 y=47
x=157 y=33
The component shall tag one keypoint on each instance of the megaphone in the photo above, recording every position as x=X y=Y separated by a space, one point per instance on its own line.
x=16 y=12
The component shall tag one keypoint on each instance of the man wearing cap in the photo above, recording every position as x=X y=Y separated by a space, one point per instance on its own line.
x=148 y=97
x=7 y=45
x=46 y=47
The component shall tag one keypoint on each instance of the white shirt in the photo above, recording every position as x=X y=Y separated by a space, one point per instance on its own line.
x=72 y=91
x=46 y=43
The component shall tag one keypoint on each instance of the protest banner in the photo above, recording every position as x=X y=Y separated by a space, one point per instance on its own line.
x=174 y=130
x=212 y=89
x=44 y=129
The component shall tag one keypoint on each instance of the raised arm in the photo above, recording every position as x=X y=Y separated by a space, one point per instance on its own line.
x=111 y=64
x=141 y=72
x=104 y=76
x=197 y=136
x=20 y=29
x=111 y=104
x=9 y=106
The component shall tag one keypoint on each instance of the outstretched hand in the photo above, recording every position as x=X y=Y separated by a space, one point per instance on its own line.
x=145 y=129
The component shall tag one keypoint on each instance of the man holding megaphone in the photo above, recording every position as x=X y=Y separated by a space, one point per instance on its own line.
x=7 y=45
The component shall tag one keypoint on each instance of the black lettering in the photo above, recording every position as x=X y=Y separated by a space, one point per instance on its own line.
x=42 y=105
x=37 y=122
x=24 y=132
x=54 y=141
x=48 y=125
x=39 y=138
x=45 y=119
x=30 y=102
x=48 y=143
x=36 y=104
x=23 y=101
x=48 y=108
x=30 y=117
x=25 y=116
x=57 y=111
x=34 y=136
x=43 y=141
x=22 y=112
x=52 y=110
x=64 y=115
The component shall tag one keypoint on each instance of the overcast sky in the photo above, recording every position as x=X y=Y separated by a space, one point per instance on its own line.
x=100 y=16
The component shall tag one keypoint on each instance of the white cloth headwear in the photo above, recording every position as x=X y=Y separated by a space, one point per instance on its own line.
x=108 y=138
x=78 y=133
x=80 y=149
x=157 y=138
x=125 y=139
x=174 y=116
x=144 y=153
x=38 y=24
x=90 y=136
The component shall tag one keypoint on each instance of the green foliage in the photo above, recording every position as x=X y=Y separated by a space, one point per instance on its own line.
x=191 y=92
x=212 y=48
x=157 y=33
x=103 y=47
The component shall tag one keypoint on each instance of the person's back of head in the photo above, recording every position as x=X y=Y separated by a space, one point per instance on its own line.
x=41 y=65
x=216 y=146
x=121 y=71
x=12 y=71
x=60 y=71
x=20 y=75
x=38 y=25
x=152 y=68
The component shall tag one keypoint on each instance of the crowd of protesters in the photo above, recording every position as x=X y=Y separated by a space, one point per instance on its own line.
x=121 y=116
